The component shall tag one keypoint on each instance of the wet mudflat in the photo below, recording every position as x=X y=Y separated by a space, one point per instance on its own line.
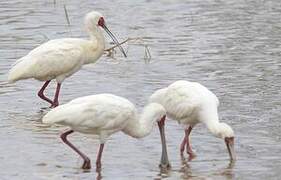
x=232 y=47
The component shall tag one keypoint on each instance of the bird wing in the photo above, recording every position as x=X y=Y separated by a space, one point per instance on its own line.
x=180 y=101
x=91 y=112
x=49 y=60
x=56 y=58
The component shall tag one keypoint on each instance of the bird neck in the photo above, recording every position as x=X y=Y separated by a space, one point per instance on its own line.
x=141 y=125
x=97 y=36
x=95 y=49
x=211 y=120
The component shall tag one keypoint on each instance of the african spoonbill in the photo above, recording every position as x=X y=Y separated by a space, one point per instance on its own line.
x=105 y=114
x=190 y=103
x=60 y=58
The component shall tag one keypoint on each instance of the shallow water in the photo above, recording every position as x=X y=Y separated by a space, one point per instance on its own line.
x=231 y=47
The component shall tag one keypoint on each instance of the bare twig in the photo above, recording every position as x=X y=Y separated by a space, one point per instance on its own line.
x=147 y=55
x=137 y=41
x=67 y=19
x=66 y=15
x=123 y=42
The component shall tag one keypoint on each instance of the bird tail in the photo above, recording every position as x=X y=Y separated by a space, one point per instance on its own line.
x=19 y=70
x=60 y=115
x=53 y=116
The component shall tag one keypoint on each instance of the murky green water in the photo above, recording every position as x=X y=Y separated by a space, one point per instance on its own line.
x=233 y=47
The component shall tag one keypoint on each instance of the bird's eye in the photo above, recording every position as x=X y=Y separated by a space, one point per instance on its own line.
x=101 y=22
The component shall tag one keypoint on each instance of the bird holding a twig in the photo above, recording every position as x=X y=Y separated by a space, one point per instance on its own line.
x=191 y=103
x=105 y=114
x=60 y=58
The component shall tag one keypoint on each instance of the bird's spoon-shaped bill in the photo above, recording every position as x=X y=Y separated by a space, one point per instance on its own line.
x=114 y=39
x=229 y=141
x=164 y=163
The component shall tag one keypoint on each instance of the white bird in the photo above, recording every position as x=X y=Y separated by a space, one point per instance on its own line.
x=190 y=103
x=60 y=58
x=105 y=114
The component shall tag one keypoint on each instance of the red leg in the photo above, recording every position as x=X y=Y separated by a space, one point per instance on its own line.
x=56 y=99
x=41 y=92
x=188 y=145
x=87 y=162
x=98 y=161
x=183 y=145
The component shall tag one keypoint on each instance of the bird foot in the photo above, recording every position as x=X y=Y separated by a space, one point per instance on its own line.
x=165 y=166
x=54 y=104
x=191 y=154
x=86 y=164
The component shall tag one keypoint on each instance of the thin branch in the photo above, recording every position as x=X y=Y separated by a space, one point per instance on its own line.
x=123 y=42
x=66 y=15
x=147 y=56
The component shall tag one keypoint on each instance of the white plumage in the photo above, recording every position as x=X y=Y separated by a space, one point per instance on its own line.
x=101 y=115
x=56 y=59
x=105 y=114
x=190 y=103
x=60 y=58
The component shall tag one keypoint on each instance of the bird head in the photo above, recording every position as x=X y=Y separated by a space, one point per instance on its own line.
x=92 y=19
x=95 y=19
x=225 y=132
x=155 y=112
x=160 y=112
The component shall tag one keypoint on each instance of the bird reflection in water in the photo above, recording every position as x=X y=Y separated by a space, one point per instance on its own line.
x=188 y=173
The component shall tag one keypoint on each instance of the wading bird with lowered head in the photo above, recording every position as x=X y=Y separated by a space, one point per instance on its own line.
x=191 y=103
x=105 y=114
x=60 y=58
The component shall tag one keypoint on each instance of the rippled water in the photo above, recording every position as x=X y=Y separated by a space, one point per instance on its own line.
x=232 y=47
